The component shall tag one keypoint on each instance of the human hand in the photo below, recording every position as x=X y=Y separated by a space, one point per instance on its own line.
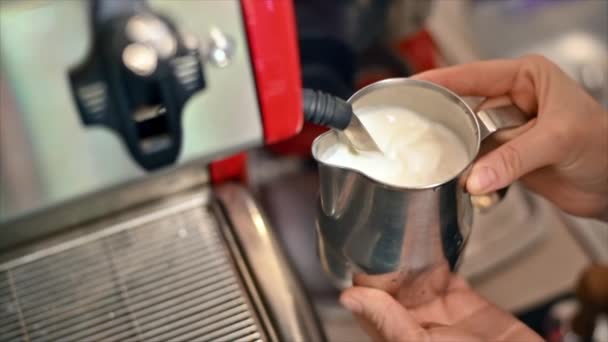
x=562 y=153
x=455 y=314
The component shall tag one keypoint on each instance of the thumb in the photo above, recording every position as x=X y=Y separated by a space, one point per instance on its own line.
x=387 y=316
x=525 y=153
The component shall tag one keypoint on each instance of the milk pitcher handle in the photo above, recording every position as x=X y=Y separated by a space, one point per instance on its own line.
x=492 y=120
x=496 y=118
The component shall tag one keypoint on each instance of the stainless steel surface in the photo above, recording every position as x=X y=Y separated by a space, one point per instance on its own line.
x=358 y=136
x=365 y=226
x=369 y=228
x=165 y=273
x=286 y=300
x=57 y=158
x=70 y=213
x=494 y=119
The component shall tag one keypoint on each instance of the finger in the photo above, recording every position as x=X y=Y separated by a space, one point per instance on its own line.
x=425 y=287
x=486 y=78
x=387 y=282
x=369 y=328
x=501 y=167
x=390 y=319
x=514 y=78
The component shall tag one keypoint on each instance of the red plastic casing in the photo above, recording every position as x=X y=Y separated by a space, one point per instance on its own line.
x=270 y=27
x=273 y=46
x=232 y=168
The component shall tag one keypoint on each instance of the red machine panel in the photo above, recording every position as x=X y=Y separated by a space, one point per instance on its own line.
x=271 y=34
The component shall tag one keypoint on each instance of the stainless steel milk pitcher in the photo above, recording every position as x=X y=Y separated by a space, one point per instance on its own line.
x=368 y=228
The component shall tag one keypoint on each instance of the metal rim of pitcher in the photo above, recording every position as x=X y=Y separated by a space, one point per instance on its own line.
x=426 y=84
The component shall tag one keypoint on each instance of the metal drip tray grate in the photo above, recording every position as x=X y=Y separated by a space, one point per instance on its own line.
x=167 y=277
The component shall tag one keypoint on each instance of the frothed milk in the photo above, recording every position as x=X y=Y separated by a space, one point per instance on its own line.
x=417 y=151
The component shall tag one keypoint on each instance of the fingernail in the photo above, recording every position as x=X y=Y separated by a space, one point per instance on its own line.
x=350 y=303
x=481 y=180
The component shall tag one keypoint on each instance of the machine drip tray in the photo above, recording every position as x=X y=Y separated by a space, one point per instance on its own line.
x=165 y=275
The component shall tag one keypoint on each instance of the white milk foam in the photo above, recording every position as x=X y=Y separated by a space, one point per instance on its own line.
x=417 y=151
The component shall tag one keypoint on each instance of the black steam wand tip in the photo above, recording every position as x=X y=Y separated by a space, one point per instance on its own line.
x=325 y=109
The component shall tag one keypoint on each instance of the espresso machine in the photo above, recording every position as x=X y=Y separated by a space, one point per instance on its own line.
x=121 y=124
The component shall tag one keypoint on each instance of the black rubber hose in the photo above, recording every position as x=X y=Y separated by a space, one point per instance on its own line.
x=326 y=110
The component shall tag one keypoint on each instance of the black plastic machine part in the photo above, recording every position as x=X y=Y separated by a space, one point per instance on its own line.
x=143 y=106
x=325 y=109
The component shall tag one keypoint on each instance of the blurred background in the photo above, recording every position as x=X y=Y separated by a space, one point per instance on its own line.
x=56 y=177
